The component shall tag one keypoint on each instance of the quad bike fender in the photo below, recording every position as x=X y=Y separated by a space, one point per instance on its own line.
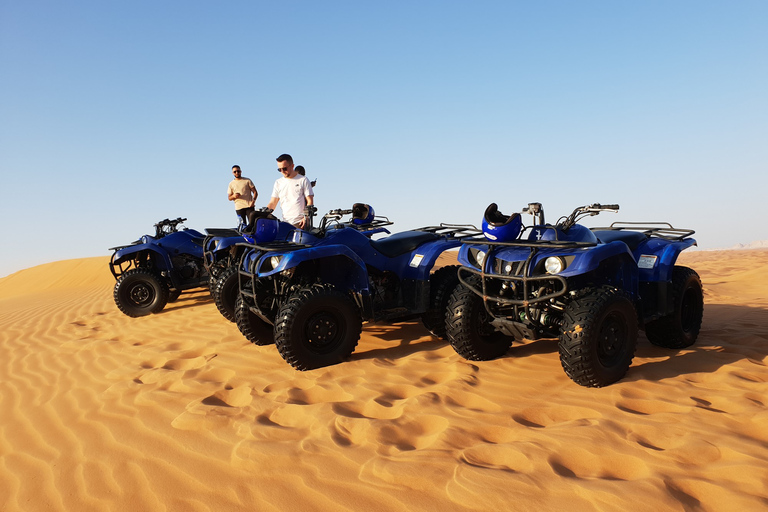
x=657 y=257
x=335 y=264
x=188 y=241
x=215 y=249
x=217 y=245
x=588 y=260
x=464 y=258
x=160 y=259
x=418 y=264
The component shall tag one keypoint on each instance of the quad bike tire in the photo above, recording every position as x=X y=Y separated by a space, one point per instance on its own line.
x=680 y=328
x=598 y=337
x=173 y=296
x=469 y=330
x=140 y=292
x=442 y=282
x=317 y=326
x=255 y=330
x=225 y=292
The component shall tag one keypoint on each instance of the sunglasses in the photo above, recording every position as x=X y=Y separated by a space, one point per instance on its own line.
x=281 y=169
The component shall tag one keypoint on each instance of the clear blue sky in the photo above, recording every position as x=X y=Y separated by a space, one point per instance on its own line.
x=118 y=114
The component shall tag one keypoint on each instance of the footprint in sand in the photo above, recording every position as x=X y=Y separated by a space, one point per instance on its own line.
x=349 y=431
x=694 y=452
x=642 y=403
x=506 y=457
x=472 y=402
x=240 y=396
x=216 y=375
x=374 y=409
x=215 y=411
x=540 y=417
x=318 y=394
x=496 y=434
x=412 y=434
x=747 y=376
x=706 y=405
x=185 y=364
x=693 y=494
x=581 y=463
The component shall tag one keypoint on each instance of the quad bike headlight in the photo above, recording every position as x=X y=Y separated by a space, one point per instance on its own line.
x=480 y=258
x=477 y=257
x=270 y=264
x=554 y=265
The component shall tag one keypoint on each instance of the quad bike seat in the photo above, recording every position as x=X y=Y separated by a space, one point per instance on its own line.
x=222 y=232
x=401 y=243
x=631 y=238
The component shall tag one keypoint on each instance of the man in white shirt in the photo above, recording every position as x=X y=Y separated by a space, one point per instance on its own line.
x=292 y=191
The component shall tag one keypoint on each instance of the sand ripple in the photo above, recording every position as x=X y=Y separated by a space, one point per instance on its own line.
x=177 y=411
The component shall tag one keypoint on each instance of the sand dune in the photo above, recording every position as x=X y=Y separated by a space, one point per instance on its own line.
x=177 y=411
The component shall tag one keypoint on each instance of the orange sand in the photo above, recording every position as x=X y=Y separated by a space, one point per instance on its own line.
x=178 y=412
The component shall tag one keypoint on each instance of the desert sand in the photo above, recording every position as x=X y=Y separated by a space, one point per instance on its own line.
x=177 y=411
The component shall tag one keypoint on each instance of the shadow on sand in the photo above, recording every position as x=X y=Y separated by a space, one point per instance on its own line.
x=728 y=334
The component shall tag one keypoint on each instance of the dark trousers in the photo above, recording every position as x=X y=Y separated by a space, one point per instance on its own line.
x=243 y=214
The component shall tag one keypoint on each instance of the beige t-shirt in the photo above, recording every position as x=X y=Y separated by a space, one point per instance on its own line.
x=243 y=187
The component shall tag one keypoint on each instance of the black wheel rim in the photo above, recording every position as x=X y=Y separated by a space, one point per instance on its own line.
x=141 y=294
x=324 y=332
x=612 y=339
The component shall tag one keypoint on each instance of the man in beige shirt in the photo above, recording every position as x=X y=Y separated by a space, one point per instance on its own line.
x=242 y=191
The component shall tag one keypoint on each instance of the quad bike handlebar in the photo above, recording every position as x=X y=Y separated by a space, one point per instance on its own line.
x=167 y=226
x=565 y=223
x=585 y=211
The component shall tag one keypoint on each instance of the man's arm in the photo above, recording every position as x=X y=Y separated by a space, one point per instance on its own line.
x=273 y=203
x=231 y=194
x=255 y=194
x=309 y=195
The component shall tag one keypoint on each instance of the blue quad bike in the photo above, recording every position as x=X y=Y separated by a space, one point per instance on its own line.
x=592 y=289
x=311 y=294
x=154 y=270
x=222 y=249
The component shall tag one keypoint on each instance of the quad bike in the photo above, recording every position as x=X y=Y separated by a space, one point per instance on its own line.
x=222 y=249
x=592 y=289
x=311 y=294
x=154 y=270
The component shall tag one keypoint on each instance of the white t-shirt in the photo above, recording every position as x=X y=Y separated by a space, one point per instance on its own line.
x=292 y=193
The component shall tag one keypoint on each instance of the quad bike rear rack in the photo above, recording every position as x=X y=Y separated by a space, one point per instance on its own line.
x=663 y=230
x=456 y=231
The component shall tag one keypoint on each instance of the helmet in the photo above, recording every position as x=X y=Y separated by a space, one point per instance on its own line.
x=499 y=227
x=362 y=213
x=266 y=230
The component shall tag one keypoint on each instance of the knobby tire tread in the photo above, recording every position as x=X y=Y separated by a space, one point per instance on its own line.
x=576 y=347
